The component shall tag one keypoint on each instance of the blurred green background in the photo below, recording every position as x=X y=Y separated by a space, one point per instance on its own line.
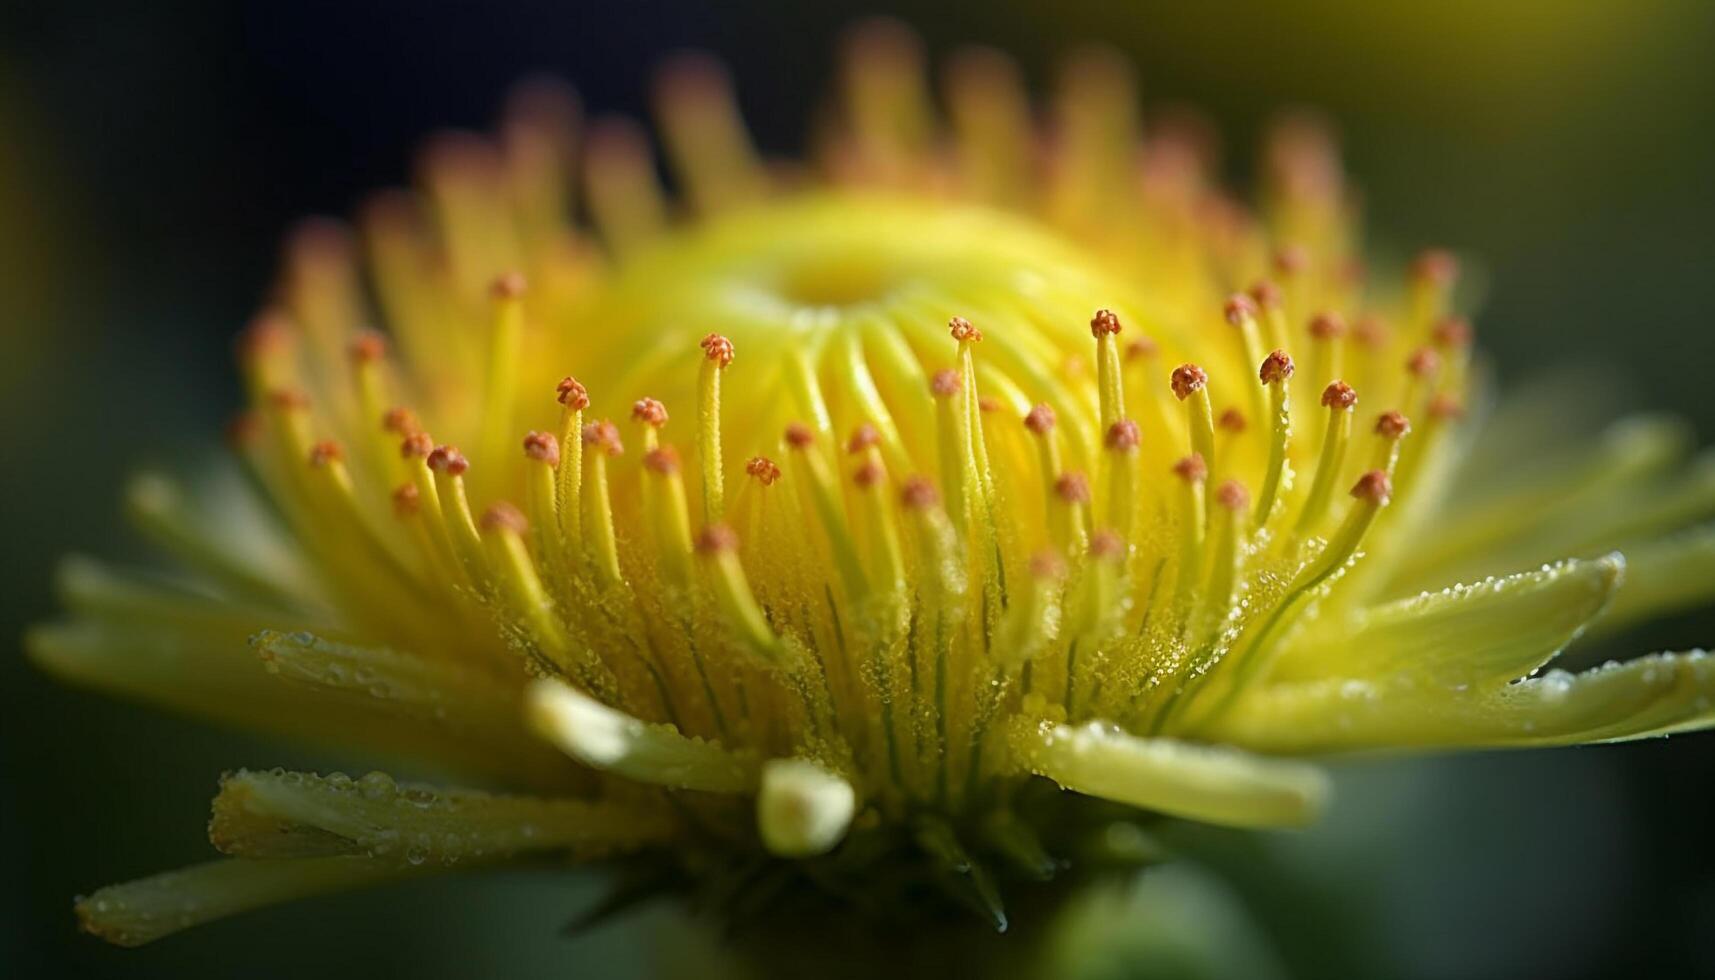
x=151 y=155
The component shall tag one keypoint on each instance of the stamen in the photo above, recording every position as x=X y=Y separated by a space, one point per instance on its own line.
x=449 y=467
x=602 y=441
x=825 y=498
x=705 y=135
x=718 y=354
x=1433 y=274
x=620 y=188
x=504 y=529
x=506 y=344
x=652 y=416
x=1232 y=500
x=1241 y=314
x=717 y=546
x=1326 y=329
x=1191 y=386
x=1029 y=625
x=1339 y=399
x=1122 y=441
x=1069 y=512
x=953 y=445
x=763 y=470
x=573 y=400
x=1272 y=306
x=1192 y=472
x=1105 y=327
x=1276 y=369
x=886 y=560
x=1390 y=428
x=1254 y=652
x=668 y=514
x=540 y=503
x=1422 y=368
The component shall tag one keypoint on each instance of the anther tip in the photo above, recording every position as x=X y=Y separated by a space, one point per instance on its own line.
x=1123 y=436
x=1327 y=326
x=1373 y=486
x=502 y=516
x=367 y=347
x=1453 y=333
x=717 y=349
x=918 y=493
x=1445 y=406
x=448 y=460
x=1107 y=545
x=799 y=436
x=1047 y=565
x=1276 y=367
x=1232 y=420
x=406 y=499
x=869 y=474
x=1339 y=395
x=1291 y=260
x=1232 y=495
x=400 y=421
x=289 y=400
x=1239 y=309
x=717 y=539
x=1435 y=266
x=1423 y=362
x=763 y=469
x=1040 y=419
x=603 y=435
x=1371 y=332
x=416 y=445
x=662 y=459
x=1191 y=469
x=1139 y=348
x=863 y=437
x=572 y=394
x=1072 y=488
x=1392 y=425
x=325 y=452
x=1266 y=294
x=944 y=383
x=1104 y=324
x=963 y=330
x=509 y=285
x=650 y=412
x=542 y=447
x=1188 y=378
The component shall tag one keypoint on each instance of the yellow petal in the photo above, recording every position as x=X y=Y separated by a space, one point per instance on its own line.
x=1198 y=782
x=1482 y=635
x=602 y=738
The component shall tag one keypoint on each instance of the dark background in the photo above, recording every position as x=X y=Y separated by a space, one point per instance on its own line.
x=152 y=154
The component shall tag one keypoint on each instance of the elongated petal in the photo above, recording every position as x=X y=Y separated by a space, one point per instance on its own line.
x=152 y=642
x=602 y=738
x=465 y=713
x=1482 y=635
x=1653 y=695
x=294 y=814
x=1199 y=782
x=142 y=911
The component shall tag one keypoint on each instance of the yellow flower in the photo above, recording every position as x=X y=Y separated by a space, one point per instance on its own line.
x=892 y=491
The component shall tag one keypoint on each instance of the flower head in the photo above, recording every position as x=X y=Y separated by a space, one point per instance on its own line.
x=870 y=512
